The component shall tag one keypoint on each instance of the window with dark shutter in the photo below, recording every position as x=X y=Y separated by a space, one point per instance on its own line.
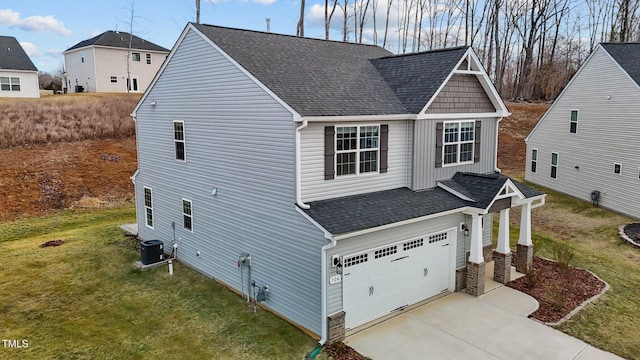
x=439 y=138
x=384 y=148
x=476 y=155
x=329 y=152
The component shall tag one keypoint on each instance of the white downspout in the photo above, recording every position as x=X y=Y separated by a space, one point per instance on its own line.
x=325 y=248
x=495 y=157
x=301 y=204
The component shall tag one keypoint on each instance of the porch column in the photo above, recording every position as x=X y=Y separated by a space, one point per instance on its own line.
x=502 y=254
x=524 y=251
x=475 y=264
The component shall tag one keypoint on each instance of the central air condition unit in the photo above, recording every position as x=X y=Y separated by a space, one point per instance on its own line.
x=151 y=252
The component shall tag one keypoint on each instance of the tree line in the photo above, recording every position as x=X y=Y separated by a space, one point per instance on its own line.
x=530 y=48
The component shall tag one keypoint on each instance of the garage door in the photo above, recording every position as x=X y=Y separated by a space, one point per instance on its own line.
x=382 y=280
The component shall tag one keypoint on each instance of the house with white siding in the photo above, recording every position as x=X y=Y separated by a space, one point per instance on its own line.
x=18 y=74
x=335 y=183
x=114 y=61
x=585 y=145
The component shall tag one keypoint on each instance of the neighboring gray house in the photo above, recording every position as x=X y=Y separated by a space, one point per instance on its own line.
x=18 y=75
x=586 y=144
x=113 y=61
x=357 y=181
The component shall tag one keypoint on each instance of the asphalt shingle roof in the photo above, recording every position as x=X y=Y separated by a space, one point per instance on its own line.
x=329 y=78
x=118 y=39
x=13 y=56
x=628 y=56
x=359 y=212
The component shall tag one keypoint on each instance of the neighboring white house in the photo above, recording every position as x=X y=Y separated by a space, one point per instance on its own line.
x=336 y=182
x=586 y=145
x=18 y=75
x=106 y=63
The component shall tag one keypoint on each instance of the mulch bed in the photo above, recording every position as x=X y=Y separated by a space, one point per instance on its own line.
x=633 y=232
x=558 y=292
x=340 y=351
x=52 y=243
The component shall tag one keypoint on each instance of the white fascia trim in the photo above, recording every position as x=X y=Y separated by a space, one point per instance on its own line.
x=399 y=223
x=295 y=114
x=497 y=114
x=513 y=187
x=495 y=154
x=567 y=87
x=160 y=71
x=454 y=192
x=19 y=71
x=355 y=118
x=540 y=198
x=327 y=234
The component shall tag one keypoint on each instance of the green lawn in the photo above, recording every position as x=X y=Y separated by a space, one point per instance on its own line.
x=612 y=322
x=86 y=300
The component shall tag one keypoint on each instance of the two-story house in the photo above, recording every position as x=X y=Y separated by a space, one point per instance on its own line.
x=18 y=75
x=113 y=61
x=337 y=182
x=568 y=151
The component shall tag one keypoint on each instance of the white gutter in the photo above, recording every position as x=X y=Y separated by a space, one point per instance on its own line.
x=301 y=204
x=495 y=158
x=325 y=248
x=359 y=118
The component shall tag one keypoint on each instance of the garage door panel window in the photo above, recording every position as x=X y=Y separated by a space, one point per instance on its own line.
x=380 y=253
x=412 y=244
x=355 y=260
x=437 y=237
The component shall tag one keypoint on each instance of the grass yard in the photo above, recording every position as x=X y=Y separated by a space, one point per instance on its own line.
x=86 y=300
x=612 y=322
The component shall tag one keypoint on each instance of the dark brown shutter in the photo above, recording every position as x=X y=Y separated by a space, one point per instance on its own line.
x=329 y=153
x=439 y=140
x=384 y=147
x=477 y=134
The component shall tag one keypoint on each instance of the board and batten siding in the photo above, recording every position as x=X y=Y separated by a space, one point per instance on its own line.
x=240 y=141
x=425 y=172
x=608 y=104
x=314 y=185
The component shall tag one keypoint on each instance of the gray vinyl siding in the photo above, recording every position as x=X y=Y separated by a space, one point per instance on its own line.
x=241 y=141
x=463 y=93
x=425 y=174
x=607 y=134
x=314 y=185
x=387 y=236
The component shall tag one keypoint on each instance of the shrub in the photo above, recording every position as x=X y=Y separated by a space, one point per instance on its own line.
x=563 y=255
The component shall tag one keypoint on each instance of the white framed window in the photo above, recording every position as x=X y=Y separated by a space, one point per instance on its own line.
x=82 y=56
x=617 y=168
x=187 y=215
x=573 y=122
x=148 y=206
x=178 y=140
x=357 y=149
x=114 y=79
x=148 y=56
x=9 y=83
x=554 y=165
x=458 y=142
x=135 y=56
x=534 y=160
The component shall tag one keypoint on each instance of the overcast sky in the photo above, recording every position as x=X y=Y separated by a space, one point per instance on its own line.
x=46 y=28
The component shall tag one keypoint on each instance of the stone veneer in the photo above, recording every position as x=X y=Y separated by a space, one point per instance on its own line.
x=335 y=324
x=501 y=267
x=475 y=278
x=461 y=278
x=524 y=258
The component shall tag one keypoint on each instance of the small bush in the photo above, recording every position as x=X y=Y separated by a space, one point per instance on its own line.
x=563 y=254
x=532 y=276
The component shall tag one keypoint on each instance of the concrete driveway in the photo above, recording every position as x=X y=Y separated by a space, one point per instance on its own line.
x=460 y=326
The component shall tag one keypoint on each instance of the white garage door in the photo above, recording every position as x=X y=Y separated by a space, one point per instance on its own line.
x=382 y=280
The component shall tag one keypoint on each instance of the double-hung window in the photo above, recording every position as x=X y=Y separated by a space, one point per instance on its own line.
x=357 y=149
x=534 y=160
x=554 y=165
x=458 y=142
x=617 y=168
x=10 y=83
x=573 y=122
x=178 y=139
x=187 y=215
x=135 y=56
x=148 y=56
x=148 y=206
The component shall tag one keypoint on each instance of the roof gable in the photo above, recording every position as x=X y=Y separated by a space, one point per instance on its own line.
x=627 y=55
x=13 y=56
x=118 y=39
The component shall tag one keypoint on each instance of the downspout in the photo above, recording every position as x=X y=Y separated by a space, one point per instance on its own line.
x=495 y=157
x=325 y=248
x=299 y=202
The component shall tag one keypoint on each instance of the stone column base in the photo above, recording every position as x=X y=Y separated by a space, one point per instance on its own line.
x=501 y=267
x=524 y=258
x=475 y=278
x=335 y=325
x=486 y=252
x=461 y=279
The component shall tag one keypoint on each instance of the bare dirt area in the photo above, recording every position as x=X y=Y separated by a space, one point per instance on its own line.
x=88 y=173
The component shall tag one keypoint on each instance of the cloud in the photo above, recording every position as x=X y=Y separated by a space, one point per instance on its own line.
x=30 y=49
x=10 y=18
x=264 y=2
